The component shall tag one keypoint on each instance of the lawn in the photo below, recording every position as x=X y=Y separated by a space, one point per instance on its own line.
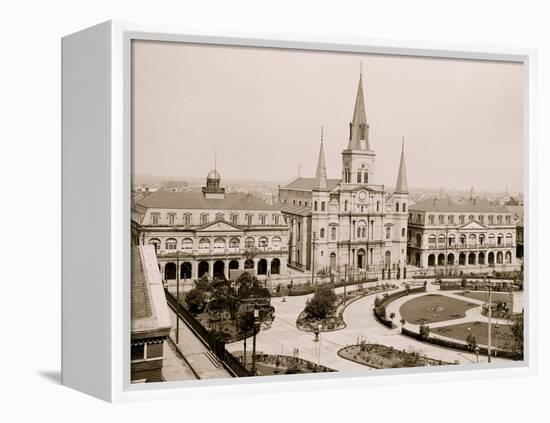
x=433 y=308
x=484 y=296
x=479 y=330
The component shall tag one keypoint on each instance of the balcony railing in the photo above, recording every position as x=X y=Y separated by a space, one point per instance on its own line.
x=466 y=246
x=219 y=251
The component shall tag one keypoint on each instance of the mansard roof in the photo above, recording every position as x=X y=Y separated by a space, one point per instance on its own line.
x=446 y=205
x=196 y=200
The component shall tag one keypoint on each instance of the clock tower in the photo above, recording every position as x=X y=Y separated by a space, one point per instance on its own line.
x=358 y=159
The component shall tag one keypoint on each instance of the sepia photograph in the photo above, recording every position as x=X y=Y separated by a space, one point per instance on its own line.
x=301 y=211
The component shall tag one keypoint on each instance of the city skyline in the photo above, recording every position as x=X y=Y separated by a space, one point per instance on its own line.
x=194 y=101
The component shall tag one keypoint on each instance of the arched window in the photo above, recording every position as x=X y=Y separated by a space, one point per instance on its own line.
x=462 y=239
x=204 y=218
x=431 y=241
x=333 y=233
x=378 y=206
x=263 y=242
x=441 y=240
x=315 y=206
x=396 y=207
x=204 y=244
x=262 y=219
x=249 y=219
x=187 y=244
x=402 y=232
x=322 y=232
x=452 y=240
x=249 y=242
x=358 y=177
x=472 y=239
x=322 y=206
x=508 y=257
x=276 y=243
x=431 y=219
x=219 y=244
x=171 y=244
x=346 y=205
x=491 y=239
x=481 y=239
x=234 y=243
x=508 y=240
x=403 y=207
x=388 y=232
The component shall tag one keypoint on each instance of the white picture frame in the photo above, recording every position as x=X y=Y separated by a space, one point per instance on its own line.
x=96 y=191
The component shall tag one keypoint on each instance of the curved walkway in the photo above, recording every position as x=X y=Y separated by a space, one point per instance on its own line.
x=283 y=336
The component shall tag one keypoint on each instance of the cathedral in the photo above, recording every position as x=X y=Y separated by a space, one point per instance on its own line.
x=351 y=224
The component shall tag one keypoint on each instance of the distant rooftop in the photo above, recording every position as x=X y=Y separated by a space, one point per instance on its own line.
x=196 y=200
x=308 y=184
x=446 y=205
x=295 y=209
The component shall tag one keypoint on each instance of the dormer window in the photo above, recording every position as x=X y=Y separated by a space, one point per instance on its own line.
x=204 y=218
x=155 y=218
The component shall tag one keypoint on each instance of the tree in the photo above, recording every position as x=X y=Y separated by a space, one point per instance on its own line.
x=195 y=300
x=321 y=304
x=424 y=331
x=517 y=332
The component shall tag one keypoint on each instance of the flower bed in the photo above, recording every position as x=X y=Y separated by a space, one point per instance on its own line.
x=294 y=290
x=383 y=357
x=336 y=321
x=276 y=364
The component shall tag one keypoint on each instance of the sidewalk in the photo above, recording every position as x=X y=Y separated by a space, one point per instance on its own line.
x=199 y=357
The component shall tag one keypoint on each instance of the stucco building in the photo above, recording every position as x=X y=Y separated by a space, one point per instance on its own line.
x=150 y=319
x=211 y=232
x=474 y=234
x=351 y=223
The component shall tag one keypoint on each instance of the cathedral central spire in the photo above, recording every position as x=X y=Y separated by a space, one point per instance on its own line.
x=358 y=127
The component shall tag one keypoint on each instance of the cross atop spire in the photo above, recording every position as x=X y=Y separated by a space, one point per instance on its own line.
x=321 y=173
x=401 y=186
x=358 y=127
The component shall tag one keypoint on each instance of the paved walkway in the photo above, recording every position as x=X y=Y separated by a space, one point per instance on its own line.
x=284 y=336
x=174 y=367
x=199 y=357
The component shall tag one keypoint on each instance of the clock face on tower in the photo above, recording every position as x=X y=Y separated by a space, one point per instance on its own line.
x=362 y=196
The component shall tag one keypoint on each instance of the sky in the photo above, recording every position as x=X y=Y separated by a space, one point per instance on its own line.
x=260 y=110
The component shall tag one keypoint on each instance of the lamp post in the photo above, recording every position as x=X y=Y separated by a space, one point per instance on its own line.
x=319 y=326
x=316 y=332
x=313 y=261
x=497 y=333
x=489 y=283
x=256 y=316
x=177 y=297
x=477 y=354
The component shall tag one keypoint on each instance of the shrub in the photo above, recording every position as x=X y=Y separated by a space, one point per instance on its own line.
x=195 y=301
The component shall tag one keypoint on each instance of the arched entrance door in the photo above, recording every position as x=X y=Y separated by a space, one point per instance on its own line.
x=441 y=260
x=462 y=259
x=332 y=262
x=360 y=258
x=387 y=261
x=262 y=267
x=219 y=269
x=451 y=259
x=472 y=258
x=431 y=260
x=275 y=266
x=170 y=271
x=203 y=268
x=249 y=264
x=491 y=258
x=186 y=270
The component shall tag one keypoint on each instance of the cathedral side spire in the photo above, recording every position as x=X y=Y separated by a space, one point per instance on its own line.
x=401 y=185
x=321 y=173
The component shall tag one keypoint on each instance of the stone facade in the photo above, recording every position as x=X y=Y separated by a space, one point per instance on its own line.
x=211 y=232
x=474 y=234
x=350 y=224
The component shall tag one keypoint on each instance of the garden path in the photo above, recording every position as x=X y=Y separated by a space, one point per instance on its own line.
x=284 y=336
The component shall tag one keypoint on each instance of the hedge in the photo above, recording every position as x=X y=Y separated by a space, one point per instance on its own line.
x=381 y=316
x=310 y=289
x=456 y=345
